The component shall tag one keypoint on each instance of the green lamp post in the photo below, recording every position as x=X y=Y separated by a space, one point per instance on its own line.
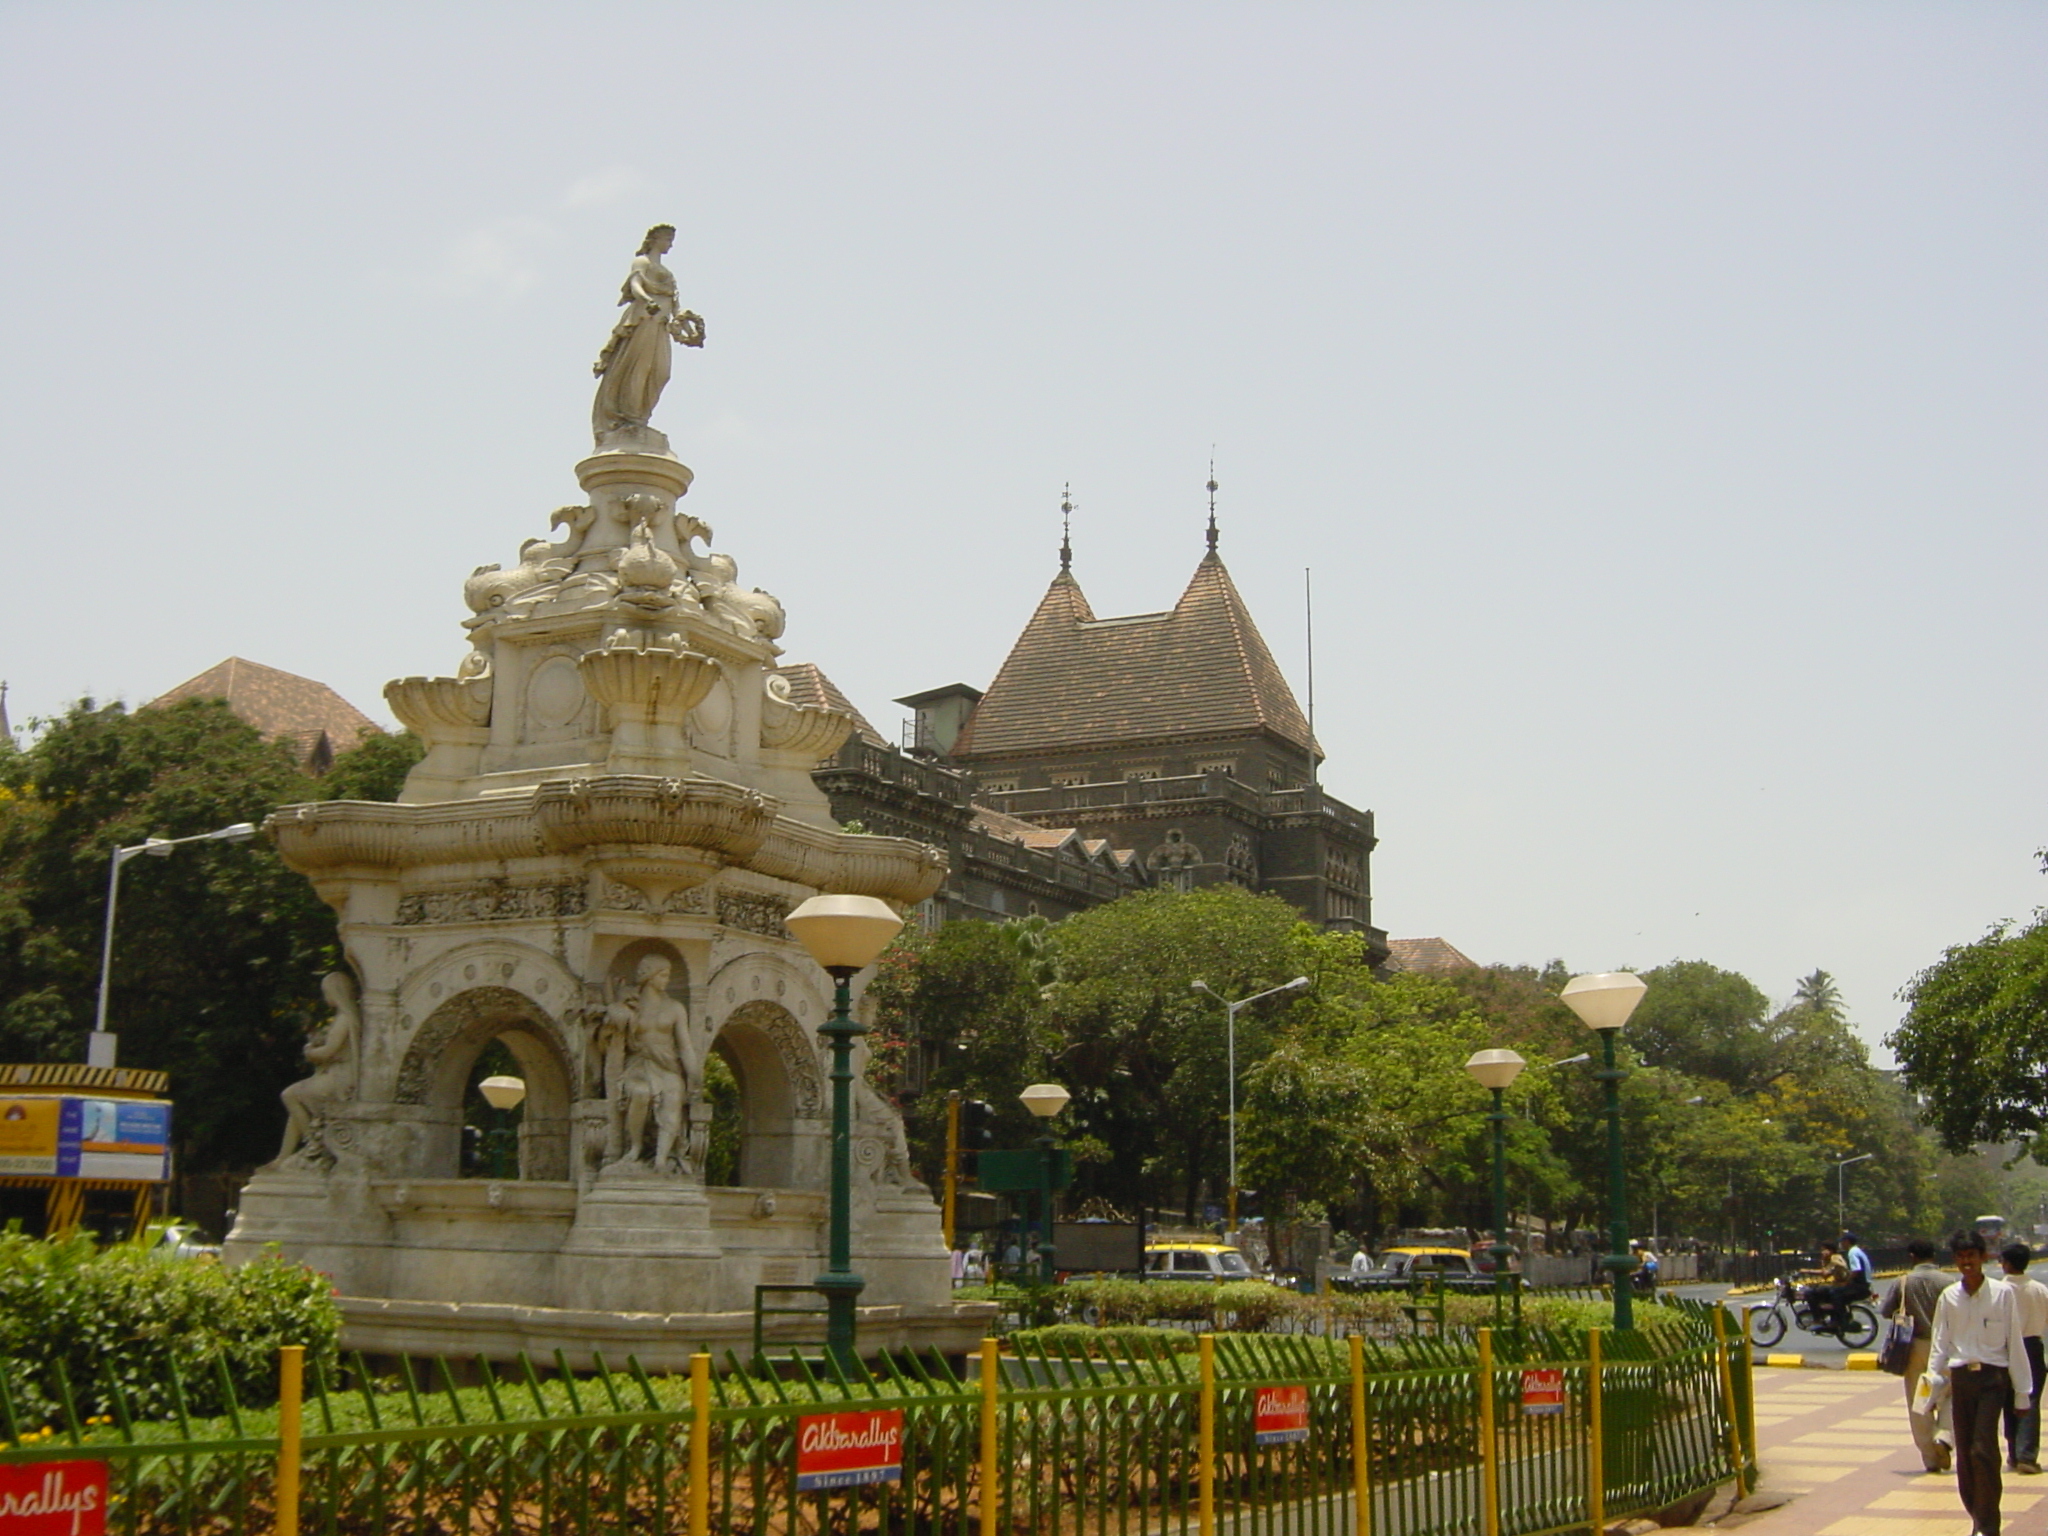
x=1603 y=1002
x=1045 y=1100
x=844 y=934
x=1495 y=1071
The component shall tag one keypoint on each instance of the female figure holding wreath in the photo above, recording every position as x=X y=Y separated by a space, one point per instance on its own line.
x=633 y=368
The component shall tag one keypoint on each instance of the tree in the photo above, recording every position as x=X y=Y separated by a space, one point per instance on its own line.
x=1974 y=1042
x=374 y=768
x=957 y=1008
x=219 y=948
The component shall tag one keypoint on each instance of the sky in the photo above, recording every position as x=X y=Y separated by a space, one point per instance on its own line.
x=1651 y=396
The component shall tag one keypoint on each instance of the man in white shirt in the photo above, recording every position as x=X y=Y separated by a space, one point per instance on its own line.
x=1980 y=1354
x=2023 y=1417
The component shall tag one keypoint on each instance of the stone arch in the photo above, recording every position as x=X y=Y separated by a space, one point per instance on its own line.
x=780 y=1084
x=436 y=1070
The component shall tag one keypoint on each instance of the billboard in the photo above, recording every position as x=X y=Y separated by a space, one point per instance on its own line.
x=71 y=1138
x=28 y=1135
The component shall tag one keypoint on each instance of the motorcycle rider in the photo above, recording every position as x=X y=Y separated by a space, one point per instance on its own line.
x=1861 y=1272
x=1832 y=1276
x=1645 y=1276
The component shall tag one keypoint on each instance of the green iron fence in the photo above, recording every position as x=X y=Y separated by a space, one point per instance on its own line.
x=1499 y=1436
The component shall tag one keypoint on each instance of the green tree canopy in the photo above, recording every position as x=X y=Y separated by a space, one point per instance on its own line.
x=1974 y=1042
x=218 y=947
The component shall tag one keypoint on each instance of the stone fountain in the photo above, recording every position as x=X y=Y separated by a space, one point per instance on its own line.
x=592 y=866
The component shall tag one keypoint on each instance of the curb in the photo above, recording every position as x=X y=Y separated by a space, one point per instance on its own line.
x=1862 y=1361
x=1789 y=1362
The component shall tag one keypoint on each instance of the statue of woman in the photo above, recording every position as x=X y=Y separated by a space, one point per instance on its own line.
x=332 y=1054
x=633 y=369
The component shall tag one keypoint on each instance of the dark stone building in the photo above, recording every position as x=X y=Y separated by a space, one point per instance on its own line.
x=1155 y=749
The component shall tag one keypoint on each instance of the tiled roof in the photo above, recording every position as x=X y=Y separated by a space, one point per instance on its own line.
x=1427 y=957
x=809 y=685
x=1073 y=681
x=280 y=704
x=1011 y=829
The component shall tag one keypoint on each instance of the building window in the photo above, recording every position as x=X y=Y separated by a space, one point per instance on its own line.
x=1228 y=767
x=998 y=786
x=1069 y=780
x=1133 y=774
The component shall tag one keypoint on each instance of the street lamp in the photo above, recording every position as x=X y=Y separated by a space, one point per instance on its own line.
x=503 y=1094
x=1230 y=1012
x=101 y=1045
x=843 y=934
x=1494 y=1071
x=1842 y=1188
x=1603 y=1003
x=1045 y=1100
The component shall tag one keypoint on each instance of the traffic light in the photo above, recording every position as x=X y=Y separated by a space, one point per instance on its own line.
x=977 y=1131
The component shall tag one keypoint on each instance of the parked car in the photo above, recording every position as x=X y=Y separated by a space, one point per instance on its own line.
x=1216 y=1262
x=179 y=1240
x=1404 y=1269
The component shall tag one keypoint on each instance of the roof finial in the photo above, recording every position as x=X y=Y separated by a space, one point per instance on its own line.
x=1212 y=502
x=6 y=730
x=1066 y=526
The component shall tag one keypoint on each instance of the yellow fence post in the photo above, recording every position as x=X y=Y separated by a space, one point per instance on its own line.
x=1361 y=1472
x=1728 y=1398
x=1205 y=1449
x=700 y=1444
x=991 y=1493
x=1596 y=1461
x=1749 y=1391
x=1489 y=1444
x=291 y=1378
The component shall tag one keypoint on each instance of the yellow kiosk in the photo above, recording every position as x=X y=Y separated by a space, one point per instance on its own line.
x=90 y=1145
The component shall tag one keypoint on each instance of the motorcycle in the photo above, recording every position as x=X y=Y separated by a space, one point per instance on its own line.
x=1855 y=1324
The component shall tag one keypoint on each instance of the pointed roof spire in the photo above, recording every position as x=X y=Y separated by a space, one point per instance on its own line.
x=1212 y=502
x=1066 y=526
x=6 y=730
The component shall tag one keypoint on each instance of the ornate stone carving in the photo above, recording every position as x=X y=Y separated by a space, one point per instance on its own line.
x=489 y=587
x=333 y=1054
x=800 y=728
x=880 y=1147
x=676 y=814
x=753 y=914
x=474 y=1007
x=435 y=706
x=492 y=903
x=794 y=1048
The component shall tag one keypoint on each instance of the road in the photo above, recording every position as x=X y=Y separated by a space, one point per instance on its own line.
x=1819 y=1349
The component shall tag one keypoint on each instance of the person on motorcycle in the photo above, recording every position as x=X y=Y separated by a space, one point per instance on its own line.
x=1861 y=1272
x=1824 y=1295
x=1645 y=1276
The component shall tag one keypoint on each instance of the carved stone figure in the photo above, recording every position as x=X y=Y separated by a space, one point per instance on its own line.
x=744 y=612
x=333 y=1055
x=878 y=1123
x=653 y=1083
x=633 y=368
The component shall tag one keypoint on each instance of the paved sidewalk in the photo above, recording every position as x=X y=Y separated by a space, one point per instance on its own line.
x=1838 y=1442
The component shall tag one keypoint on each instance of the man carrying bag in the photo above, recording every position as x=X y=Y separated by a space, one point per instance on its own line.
x=1911 y=1300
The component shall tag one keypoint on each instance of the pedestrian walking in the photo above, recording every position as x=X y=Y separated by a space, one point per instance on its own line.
x=1915 y=1293
x=1980 y=1355
x=2023 y=1418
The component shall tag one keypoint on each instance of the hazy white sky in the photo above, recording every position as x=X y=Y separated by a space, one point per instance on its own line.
x=1656 y=391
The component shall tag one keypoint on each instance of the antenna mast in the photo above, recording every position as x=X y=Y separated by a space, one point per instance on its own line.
x=1308 y=609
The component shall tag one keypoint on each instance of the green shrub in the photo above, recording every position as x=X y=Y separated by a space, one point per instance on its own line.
x=124 y=1316
x=1077 y=1340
